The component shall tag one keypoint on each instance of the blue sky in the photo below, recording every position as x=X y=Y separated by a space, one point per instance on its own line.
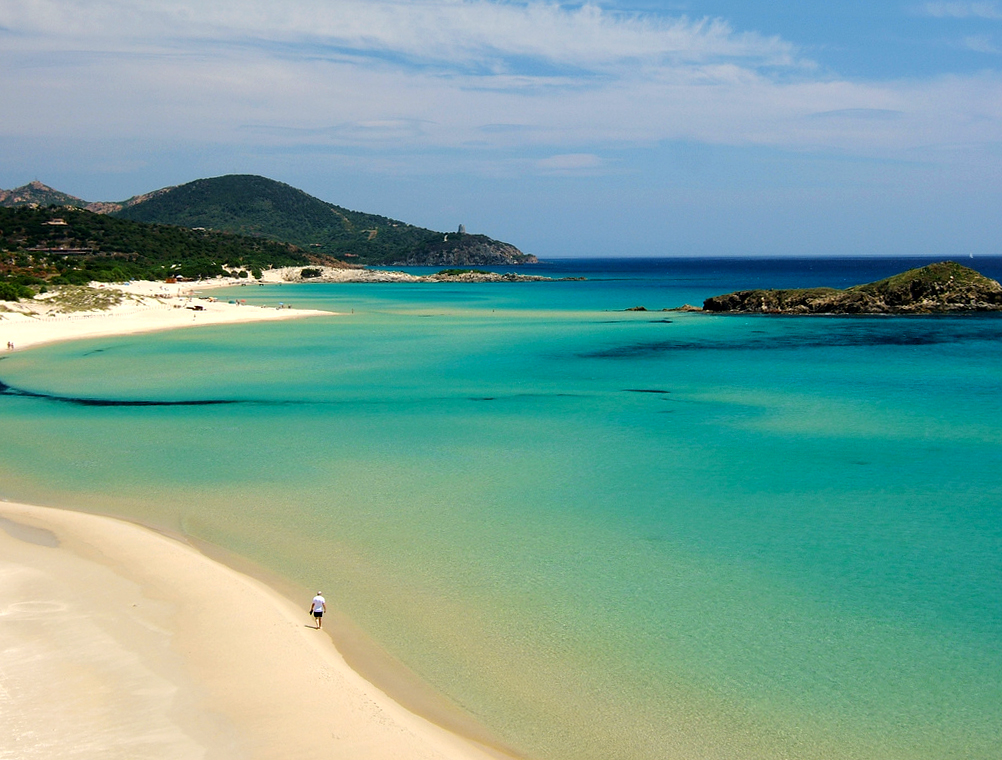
x=706 y=128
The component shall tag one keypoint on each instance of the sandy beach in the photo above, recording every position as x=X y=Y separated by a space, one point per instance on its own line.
x=117 y=641
x=120 y=642
x=146 y=306
x=143 y=307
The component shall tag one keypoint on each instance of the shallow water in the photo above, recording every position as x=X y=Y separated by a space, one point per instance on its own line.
x=606 y=534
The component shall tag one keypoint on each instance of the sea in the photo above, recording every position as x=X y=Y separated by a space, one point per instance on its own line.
x=604 y=534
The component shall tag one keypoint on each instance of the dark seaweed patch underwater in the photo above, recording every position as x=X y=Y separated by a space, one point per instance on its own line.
x=839 y=332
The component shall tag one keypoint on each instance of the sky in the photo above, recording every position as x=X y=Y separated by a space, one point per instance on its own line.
x=635 y=128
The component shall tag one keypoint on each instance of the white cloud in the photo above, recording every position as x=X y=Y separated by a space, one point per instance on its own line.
x=988 y=10
x=457 y=74
x=460 y=32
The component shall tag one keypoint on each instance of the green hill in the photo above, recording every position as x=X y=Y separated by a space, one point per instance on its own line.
x=73 y=246
x=260 y=207
x=257 y=206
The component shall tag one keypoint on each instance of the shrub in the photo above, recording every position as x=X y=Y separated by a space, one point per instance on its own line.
x=10 y=291
x=457 y=272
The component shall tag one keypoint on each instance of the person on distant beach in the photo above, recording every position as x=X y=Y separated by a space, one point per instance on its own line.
x=318 y=607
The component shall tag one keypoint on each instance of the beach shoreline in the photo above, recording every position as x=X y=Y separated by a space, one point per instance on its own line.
x=178 y=649
x=143 y=307
x=119 y=640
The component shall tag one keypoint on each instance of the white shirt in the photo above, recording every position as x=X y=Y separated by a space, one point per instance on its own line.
x=318 y=603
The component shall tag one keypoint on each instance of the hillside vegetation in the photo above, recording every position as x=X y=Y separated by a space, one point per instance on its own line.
x=255 y=206
x=65 y=245
x=252 y=205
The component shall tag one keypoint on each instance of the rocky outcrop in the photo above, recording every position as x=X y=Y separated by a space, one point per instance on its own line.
x=113 y=207
x=937 y=288
x=493 y=277
x=683 y=307
x=456 y=249
x=37 y=194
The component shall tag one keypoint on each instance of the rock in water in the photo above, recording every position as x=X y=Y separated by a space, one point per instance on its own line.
x=943 y=287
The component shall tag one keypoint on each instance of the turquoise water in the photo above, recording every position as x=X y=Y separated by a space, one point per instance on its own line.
x=606 y=534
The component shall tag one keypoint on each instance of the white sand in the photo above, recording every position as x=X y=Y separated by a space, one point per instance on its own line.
x=148 y=307
x=119 y=642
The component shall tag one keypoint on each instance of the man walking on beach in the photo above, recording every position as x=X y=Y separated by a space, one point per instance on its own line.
x=318 y=607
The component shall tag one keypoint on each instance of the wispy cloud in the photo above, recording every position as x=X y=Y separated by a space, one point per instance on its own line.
x=986 y=10
x=468 y=75
x=981 y=43
x=570 y=162
x=873 y=114
x=458 y=32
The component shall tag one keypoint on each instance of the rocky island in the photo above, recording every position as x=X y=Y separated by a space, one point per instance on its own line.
x=937 y=288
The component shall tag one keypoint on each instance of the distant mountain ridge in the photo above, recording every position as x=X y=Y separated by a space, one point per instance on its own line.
x=260 y=207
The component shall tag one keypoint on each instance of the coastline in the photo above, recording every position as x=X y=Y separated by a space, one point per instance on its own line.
x=144 y=307
x=147 y=306
x=119 y=639
x=136 y=643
